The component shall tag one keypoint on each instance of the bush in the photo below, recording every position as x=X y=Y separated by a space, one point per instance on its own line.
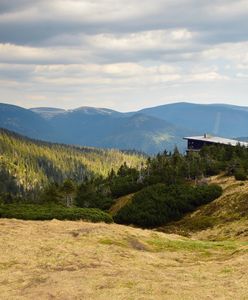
x=159 y=204
x=240 y=174
x=88 y=196
x=49 y=212
x=122 y=186
x=214 y=168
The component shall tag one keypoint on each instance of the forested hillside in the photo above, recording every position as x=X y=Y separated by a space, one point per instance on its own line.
x=224 y=218
x=164 y=187
x=29 y=165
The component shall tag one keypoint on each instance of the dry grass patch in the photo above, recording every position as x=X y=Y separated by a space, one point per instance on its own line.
x=120 y=202
x=79 y=260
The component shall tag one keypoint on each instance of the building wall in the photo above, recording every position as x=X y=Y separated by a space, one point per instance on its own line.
x=197 y=145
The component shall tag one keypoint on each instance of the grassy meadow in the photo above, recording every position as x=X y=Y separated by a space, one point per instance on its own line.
x=80 y=260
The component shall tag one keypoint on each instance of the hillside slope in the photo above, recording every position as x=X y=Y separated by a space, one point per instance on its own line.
x=24 y=121
x=217 y=119
x=140 y=132
x=78 y=260
x=224 y=218
x=29 y=164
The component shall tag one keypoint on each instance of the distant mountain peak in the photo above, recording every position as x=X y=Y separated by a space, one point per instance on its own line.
x=95 y=110
x=48 y=112
x=149 y=130
x=47 y=109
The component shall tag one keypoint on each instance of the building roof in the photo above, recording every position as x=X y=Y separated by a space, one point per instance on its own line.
x=217 y=140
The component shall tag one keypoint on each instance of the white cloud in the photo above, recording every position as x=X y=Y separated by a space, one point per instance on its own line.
x=121 y=74
x=206 y=76
x=85 y=11
x=10 y=53
x=230 y=9
x=242 y=75
x=234 y=52
x=108 y=50
x=142 y=41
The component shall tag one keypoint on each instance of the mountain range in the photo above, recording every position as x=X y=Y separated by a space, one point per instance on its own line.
x=149 y=130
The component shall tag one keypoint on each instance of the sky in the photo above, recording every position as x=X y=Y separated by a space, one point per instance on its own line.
x=123 y=55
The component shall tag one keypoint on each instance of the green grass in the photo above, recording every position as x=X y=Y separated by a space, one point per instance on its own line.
x=49 y=212
x=159 y=245
x=108 y=241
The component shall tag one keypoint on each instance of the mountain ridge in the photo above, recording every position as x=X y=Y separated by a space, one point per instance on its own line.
x=149 y=130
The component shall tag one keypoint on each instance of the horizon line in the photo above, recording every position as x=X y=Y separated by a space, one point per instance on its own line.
x=130 y=111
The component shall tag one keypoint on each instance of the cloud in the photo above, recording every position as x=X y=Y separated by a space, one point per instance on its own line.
x=145 y=40
x=10 y=53
x=49 y=19
x=104 y=48
x=109 y=50
x=118 y=75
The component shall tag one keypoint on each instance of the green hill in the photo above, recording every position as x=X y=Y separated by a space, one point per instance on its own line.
x=27 y=164
x=224 y=218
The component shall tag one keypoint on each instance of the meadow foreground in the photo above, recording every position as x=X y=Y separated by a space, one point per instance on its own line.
x=79 y=260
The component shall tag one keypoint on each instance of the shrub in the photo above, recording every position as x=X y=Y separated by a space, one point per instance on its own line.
x=159 y=204
x=214 y=168
x=89 y=197
x=49 y=212
x=240 y=174
x=122 y=186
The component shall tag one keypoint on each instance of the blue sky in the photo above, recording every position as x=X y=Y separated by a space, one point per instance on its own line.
x=123 y=55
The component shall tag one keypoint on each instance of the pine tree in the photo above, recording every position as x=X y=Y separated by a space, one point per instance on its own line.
x=68 y=189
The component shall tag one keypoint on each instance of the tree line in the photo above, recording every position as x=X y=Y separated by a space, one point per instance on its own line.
x=27 y=166
x=45 y=173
